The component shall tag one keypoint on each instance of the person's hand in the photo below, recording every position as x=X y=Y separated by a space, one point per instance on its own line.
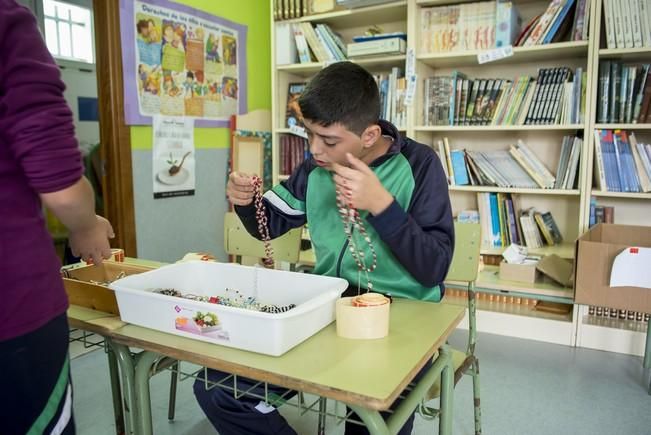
x=359 y=186
x=91 y=244
x=239 y=189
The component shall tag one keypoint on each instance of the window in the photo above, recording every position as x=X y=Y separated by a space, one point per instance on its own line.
x=68 y=31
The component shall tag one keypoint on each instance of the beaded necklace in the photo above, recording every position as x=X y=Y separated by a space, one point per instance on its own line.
x=263 y=227
x=351 y=220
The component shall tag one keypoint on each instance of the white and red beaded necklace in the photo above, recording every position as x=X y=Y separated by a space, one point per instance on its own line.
x=351 y=220
x=263 y=227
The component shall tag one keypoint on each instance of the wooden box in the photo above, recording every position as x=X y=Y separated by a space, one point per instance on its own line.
x=88 y=286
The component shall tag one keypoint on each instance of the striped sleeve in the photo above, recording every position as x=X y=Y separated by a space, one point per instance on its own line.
x=284 y=203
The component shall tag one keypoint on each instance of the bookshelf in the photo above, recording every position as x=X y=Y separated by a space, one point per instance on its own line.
x=570 y=207
x=631 y=208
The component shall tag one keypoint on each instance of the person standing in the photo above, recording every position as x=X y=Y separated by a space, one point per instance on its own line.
x=40 y=164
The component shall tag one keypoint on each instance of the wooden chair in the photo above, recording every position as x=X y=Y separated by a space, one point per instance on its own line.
x=463 y=272
x=238 y=242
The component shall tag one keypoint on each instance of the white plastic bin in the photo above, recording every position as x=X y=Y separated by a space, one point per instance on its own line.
x=271 y=334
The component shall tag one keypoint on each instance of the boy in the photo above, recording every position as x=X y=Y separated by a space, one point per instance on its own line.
x=397 y=185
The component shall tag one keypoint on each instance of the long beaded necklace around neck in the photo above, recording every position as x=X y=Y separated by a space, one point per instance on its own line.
x=263 y=227
x=351 y=219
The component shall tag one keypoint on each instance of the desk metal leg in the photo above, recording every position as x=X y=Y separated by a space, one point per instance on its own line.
x=372 y=419
x=114 y=375
x=144 y=363
x=441 y=367
x=125 y=362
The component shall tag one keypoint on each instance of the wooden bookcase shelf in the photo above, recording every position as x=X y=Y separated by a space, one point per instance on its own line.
x=379 y=62
x=570 y=207
x=498 y=128
x=561 y=50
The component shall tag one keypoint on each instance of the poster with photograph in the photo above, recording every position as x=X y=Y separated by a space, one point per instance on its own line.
x=179 y=61
x=173 y=167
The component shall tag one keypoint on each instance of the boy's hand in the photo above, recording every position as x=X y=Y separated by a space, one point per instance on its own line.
x=360 y=186
x=239 y=189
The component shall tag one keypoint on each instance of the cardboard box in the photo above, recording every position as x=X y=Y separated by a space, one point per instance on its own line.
x=518 y=272
x=595 y=252
x=87 y=286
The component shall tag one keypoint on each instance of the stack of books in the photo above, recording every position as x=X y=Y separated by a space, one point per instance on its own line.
x=503 y=223
x=622 y=163
x=624 y=93
x=628 y=23
x=557 y=96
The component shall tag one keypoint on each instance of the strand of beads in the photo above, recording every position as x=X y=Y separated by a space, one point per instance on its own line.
x=263 y=227
x=352 y=220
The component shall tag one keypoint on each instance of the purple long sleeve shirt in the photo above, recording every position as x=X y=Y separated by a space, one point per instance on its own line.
x=38 y=154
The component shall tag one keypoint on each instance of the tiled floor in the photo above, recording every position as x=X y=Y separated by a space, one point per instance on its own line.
x=528 y=388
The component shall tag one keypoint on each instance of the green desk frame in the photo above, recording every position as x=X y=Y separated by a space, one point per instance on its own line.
x=324 y=365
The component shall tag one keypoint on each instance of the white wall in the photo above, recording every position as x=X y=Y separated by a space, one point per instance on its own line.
x=81 y=83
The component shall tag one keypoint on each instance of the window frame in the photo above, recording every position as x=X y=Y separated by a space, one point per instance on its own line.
x=62 y=61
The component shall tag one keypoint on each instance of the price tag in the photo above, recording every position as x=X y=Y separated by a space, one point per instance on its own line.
x=495 y=54
x=410 y=76
x=298 y=131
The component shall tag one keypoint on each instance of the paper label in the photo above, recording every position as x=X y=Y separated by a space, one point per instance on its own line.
x=298 y=131
x=495 y=54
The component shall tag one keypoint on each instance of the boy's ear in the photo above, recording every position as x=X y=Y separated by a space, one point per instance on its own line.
x=371 y=135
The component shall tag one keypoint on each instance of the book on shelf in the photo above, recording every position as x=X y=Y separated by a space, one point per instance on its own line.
x=507 y=23
x=548 y=228
x=294 y=150
x=622 y=164
x=393 y=88
x=627 y=23
x=293 y=115
x=290 y=9
x=600 y=213
x=486 y=25
x=503 y=223
x=285 y=44
x=563 y=20
x=374 y=47
x=555 y=97
x=460 y=27
x=624 y=93
x=517 y=167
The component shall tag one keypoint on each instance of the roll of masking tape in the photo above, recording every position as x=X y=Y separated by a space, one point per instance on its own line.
x=362 y=321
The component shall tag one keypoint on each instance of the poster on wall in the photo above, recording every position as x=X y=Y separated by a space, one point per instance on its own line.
x=179 y=61
x=173 y=167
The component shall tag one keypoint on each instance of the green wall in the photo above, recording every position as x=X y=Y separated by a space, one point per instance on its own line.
x=255 y=15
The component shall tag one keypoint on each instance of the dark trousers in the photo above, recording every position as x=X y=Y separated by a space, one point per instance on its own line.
x=35 y=380
x=232 y=416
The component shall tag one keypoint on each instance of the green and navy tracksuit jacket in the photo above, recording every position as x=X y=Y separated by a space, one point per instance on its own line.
x=413 y=237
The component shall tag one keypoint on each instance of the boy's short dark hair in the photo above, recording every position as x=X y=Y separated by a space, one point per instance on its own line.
x=343 y=93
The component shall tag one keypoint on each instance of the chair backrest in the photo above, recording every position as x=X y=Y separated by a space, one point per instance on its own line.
x=465 y=262
x=238 y=242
